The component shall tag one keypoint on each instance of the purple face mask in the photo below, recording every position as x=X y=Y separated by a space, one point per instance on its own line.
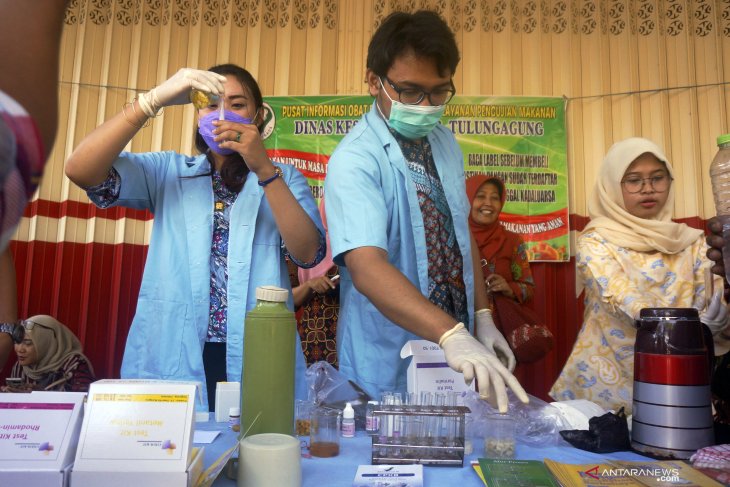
x=206 y=127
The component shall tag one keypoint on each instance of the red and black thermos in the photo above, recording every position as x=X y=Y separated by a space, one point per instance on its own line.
x=672 y=414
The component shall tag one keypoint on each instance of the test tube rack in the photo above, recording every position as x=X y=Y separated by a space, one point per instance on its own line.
x=428 y=435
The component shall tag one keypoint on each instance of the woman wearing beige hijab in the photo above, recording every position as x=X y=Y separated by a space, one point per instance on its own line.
x=49 y=358
x=631 y=256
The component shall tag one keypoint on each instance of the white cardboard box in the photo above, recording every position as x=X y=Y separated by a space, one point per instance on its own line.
x=41 y=454
x=138 y=433
x=36 y=478
x=227 y=396
x=428 y=371
x=142 y=479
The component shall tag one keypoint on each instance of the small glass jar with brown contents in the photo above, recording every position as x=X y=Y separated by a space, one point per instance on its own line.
x=324 y=437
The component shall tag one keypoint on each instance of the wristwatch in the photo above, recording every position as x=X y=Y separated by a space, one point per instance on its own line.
x=7 y=328
x=277 y=174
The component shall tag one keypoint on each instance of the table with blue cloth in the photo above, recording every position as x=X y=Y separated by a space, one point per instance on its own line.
x=340 y=471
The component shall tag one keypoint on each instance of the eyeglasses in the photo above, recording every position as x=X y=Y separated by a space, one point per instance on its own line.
x=21 y=327
x=414 y=96
x=659 y=183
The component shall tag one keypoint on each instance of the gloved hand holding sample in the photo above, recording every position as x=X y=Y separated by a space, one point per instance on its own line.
x=176 y=90
x=467 y=355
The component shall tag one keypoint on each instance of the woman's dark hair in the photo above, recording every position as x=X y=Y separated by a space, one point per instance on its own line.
x=424 y=33
x=234 y=169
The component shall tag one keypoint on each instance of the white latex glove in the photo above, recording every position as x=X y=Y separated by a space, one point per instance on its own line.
x=465 y=354
x=488 y=334
x=715 y=316
x=176 y=90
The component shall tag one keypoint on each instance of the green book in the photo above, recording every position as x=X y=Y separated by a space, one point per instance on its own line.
x=516 y=473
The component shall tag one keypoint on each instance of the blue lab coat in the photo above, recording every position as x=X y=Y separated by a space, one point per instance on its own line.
x=372 y=201
x=171 y=322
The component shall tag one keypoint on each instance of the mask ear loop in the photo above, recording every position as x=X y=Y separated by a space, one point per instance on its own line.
x=377 y=105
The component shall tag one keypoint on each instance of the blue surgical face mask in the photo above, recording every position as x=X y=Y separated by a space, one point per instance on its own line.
x=206 y=127
x=412 y=121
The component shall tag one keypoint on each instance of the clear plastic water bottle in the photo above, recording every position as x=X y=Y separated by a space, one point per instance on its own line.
x=720 y=177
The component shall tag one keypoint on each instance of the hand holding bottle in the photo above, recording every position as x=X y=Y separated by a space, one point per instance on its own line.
x=176 y=90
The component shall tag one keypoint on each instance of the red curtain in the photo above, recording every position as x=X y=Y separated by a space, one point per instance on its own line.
x=92 y=288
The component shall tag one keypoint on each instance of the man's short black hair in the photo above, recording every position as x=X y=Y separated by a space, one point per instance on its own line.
x=423 y=32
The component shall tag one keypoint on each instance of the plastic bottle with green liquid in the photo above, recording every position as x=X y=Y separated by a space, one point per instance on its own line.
x=267 y=385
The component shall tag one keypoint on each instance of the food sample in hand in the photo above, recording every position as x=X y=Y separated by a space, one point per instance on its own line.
x=201 y=99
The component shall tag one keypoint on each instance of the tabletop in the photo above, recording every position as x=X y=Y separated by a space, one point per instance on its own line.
x=340 y=471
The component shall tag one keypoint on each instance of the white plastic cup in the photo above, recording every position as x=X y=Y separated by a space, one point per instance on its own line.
x=269 y=459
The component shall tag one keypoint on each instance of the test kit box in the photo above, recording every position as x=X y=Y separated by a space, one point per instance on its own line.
x=188 y=478
x=428 y=371
x=39 y=433
x=139 y=433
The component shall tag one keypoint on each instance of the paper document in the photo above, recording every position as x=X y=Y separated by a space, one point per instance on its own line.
x=205 y=436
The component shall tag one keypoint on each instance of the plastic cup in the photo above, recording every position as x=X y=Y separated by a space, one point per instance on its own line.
x=499 y=441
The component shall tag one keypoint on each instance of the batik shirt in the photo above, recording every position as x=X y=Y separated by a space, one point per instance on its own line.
x=224 y=199
x=446 y=288
x=21 y=164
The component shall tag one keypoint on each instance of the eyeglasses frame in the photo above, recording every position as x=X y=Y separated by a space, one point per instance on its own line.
x=22 y=326
x=651 y=184
x=424 y=93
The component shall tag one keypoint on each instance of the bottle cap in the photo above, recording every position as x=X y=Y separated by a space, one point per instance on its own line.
x=272 y=293
x=234 y=411
x=348 y=412
x=723 y=139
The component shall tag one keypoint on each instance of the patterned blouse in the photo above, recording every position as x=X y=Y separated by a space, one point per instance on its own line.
x=619 y=282
x=446 y=288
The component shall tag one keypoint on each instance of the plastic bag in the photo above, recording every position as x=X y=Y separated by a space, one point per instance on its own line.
x=538 y=423
x=326 y=386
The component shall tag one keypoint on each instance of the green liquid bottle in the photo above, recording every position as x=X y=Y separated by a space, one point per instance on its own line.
x=267 y=386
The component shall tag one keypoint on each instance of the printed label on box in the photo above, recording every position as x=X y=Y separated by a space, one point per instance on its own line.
x=149 y=424
x=37 y=430
x=428 y=371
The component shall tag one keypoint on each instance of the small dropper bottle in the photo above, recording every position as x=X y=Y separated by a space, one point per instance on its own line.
x=348 y=421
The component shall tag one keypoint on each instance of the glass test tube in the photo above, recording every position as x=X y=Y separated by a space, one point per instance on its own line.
x=426 y=398
x=439 y=436
x=452 y=421
x=385 y=399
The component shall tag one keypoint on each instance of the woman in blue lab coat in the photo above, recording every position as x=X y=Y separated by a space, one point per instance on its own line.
x=223 y=222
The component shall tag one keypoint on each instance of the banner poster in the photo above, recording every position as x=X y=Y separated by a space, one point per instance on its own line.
x=521 y=140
